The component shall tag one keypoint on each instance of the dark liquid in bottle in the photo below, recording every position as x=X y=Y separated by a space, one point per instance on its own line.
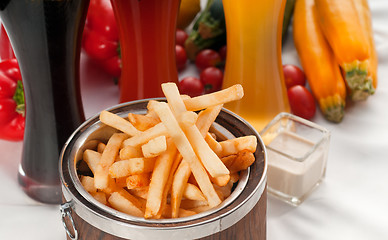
x=45 y=35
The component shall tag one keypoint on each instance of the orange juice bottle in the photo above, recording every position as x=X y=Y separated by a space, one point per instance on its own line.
x=253 y=31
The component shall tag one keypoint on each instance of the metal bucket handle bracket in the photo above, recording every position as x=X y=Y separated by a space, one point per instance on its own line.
x=66 y=209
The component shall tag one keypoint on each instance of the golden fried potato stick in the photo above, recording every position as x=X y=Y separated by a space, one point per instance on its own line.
x=92 y=158
x=174 y=99
x=159 y=180
x=209 y=159
x=241 y=161
x=189 y=204
x=138 y=180
x=107 y=159
x=213 y=144
x=131 y=152
x=100 y=147
x=140 y=192
x=182 y=212
x=187 y=121
x=184 y=147
x=235 y=145
x=118 y=122
x=167 y=188
x=206 y=118
x=100 y=196
x=154 y=147
x=142 y=122
x=88 y=183
x=232 y=93
x=131 y=166
x=192 y=192
x=179 y=184
x=122 y=202
x=153 y=132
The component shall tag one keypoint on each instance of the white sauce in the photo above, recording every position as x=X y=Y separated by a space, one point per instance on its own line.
x=298 y=173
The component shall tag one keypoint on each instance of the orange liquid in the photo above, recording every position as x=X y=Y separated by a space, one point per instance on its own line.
x=254 y=59
x=147 y=39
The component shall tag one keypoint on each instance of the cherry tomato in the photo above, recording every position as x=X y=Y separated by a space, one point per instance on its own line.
x=222 y=52
x=180 y=57
x=180 y=37
x=211 y=79
x=293 y=75
x=301 y=102
x=191 y=86
x=207 y=58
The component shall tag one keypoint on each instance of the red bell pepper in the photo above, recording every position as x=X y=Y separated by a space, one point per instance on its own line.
x=101 y=38
x=11 y=101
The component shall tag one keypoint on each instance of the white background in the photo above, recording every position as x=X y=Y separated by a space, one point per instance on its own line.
x=351 y=203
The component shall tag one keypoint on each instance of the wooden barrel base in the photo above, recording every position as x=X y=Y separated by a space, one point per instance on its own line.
x=251 y=227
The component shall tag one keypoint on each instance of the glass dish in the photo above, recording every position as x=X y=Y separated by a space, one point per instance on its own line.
x=297 y=155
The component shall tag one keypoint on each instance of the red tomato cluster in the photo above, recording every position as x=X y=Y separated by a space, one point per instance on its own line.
x=301 y=100
x=209 y=64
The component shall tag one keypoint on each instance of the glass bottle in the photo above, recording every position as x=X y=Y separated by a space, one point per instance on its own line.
x=253 y=30
x=45 y=36
x=147 y=40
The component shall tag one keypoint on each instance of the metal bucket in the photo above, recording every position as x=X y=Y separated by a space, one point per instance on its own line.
x=241 y=216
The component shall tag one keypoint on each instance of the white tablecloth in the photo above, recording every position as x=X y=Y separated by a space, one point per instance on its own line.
x=351 y=203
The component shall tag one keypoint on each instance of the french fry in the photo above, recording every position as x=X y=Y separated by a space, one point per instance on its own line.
x=242 y=161
x=92 y=158
x=174 y=99
x=88 y=183
x=207 y=117
x=228 y=160
x=100 y=147
x=200 y=209
x=159 y=180
x=189 y=204
x=130 y=152
x=192 y=180
x=100 y=196
x=235 y=145
x=184 y=147
x=156 y=131
x=138 y=180
x=192 y=192
x=121 y=182
x=124 y=204
x=232 y=93
x=142 y=122
x=209 y=159
x=154 y=147
x=111 y=187
x=141 y=192
x=179 y=184
x=118 y=122
x=213 y=144
x=187 y=120
x=220 y=180
x=107 y=158
x=131 y=166
x=182 y=212
x=167 y=188
x=234 y=177
x=224 y=190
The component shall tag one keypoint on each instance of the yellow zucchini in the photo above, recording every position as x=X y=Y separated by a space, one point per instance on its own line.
x=366 y=24
x=318 y=61
x=340 y=24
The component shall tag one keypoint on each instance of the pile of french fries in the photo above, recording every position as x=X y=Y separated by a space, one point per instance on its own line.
x=166 y=163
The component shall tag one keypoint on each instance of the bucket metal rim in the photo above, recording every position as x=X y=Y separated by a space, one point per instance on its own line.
x=123 y=225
